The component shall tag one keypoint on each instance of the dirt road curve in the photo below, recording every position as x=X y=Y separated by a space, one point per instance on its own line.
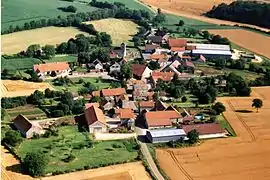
x=246 y=156
x=193 y=9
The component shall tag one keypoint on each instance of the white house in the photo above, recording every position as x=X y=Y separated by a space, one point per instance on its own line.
x=116 y=67
x=60 y=68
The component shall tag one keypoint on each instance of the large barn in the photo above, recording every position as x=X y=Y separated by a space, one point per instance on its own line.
x=165 y=135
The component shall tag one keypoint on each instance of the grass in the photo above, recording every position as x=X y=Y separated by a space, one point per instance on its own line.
x=75 y=87
x=57 y=148
x=64 y=58
x=120 y=30
x=17 y=12
x=18 y=63
x=31 y=112
x=225 y=124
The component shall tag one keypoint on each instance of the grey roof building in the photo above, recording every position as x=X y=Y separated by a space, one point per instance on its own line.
x=165 y=135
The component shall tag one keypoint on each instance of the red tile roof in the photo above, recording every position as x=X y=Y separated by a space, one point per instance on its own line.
x=165 y=76
x=94 y=114
x=189 y=47
x=138 y=69
x=160 y=118
x=178 y=49
x=204 y=129
x=158 y=56
x=56 y=66
x=96 y=93
x=113 y=92
x=202 y=58
x=125 y=113
x=189 y=64
x=88 y=105
x=147 y=104
x=177 y=42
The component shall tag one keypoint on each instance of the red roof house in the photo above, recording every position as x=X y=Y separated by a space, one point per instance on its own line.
x=95 y=119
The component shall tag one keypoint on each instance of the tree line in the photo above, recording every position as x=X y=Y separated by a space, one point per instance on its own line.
x=250 y=12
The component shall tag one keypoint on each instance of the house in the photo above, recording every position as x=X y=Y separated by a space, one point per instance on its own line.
x=112 y=92
x=206 y=131
x=95 y=120
x=188 y=66
x=60 y=68
x=161 y=106
x=119 y=52
x=96 y=66
x=154 y=39
x=141 y=71
x=140 y=91
x=127 y=116
x=150 y=48
x=146 y=105
x=200 y=60
x=177 y=44
x=164 y=76
x=161 y=119
x=27 y=128
x=165 y=135
x=126 y=104
x=163 y=34
x=116 y=67
x=172 y=67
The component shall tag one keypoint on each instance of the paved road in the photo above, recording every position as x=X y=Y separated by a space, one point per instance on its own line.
x=150 y=161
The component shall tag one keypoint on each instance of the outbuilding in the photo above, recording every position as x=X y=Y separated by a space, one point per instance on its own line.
x=165 y=135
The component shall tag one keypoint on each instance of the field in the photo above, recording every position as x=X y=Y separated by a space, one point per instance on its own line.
x=12 y=88
x=58 y=148
x=192 y=9
x=17 y=12
x=19 y=41
x=31 y=112
x=243 y=157
x=252 y=41
x=120 y=30
x=75 y=87
x=18 y=63
x=62 y=58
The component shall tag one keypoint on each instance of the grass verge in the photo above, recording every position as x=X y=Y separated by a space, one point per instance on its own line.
x=225 y=124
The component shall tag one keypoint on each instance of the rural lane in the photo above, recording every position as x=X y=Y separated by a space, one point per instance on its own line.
x=150 y=161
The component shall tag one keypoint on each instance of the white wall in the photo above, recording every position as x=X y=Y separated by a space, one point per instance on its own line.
x=209 y=136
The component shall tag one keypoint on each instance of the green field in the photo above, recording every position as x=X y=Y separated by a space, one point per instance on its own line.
x=75 y=87
x=31 y=112
x=18 y=63
x=67 y=58
x=59 y=147
x=17 y=12
x=225 y=124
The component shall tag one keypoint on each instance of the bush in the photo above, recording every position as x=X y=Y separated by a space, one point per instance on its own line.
x=70 y=158
x=57 y=113
x=12 y=138
x=116 y=146
x=13 y=102
x=184 y=99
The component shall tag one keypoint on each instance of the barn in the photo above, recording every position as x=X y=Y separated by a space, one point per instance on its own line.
x=165 y=135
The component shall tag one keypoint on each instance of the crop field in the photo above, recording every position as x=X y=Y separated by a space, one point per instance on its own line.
x=252 y=41
x=18 y=63
x=193 y=9
x=31 y=112
x=62 y=58
x=17 y=12
x=236 y=158
x=19 y=41
x=13 y=88
x=120 y=30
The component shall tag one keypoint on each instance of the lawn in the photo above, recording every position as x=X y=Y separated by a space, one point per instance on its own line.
x=18 y=63
x=17 y=12
x=225 y=124
x=121 y=31
x=75 y=86
x=64 y=58
x=29 y=111
x=69 y=140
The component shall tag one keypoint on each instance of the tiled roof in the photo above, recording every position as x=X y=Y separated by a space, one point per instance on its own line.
x=147 y=104
x=188 y=64
x=204 y=129
x=138 y=69
x=158 y=56
x=113 y=92
x=125 y=113
x=88 y=105
x=160 y=118
x=177 y=42
x=56 y=66
x=93 y=114
x=165 y=76
x=96 y=93
x=22 y=123
x=178 y=49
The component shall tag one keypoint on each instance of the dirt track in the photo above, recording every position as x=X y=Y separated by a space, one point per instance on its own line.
x=243 y=157
x=193 y=9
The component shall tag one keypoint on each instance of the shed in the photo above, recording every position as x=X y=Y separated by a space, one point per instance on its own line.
x=165 y=135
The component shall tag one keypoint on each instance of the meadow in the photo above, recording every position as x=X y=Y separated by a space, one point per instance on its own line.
x=62 y=58
x=18 y=63
x=69 y=140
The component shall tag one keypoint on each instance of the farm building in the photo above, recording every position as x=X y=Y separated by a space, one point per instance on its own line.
x=141 y=71
x=206 y=131
x=165 y=135
x=27 y=128
x=94 y=119
x=60 y=68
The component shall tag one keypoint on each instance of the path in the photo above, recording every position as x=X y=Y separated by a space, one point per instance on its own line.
x=150 y=161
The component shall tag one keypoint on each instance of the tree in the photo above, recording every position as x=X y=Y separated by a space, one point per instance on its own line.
x=193 y=136
x=32 y=50
x=159 y=18
x=219 y=107
x=257 y=103
x=126 y=71
x=35 y=98
x=12 y=138
x=206 y=35
x=35 y=163
x=57 y=113
x=156 y=96
x=181 y=23
x=159 y=11
x=95 y=99
x=184 y=99
x=71 y=9
x=49 y=51
x=153 y=65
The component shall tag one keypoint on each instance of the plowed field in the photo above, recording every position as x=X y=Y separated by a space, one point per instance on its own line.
x=246 y=156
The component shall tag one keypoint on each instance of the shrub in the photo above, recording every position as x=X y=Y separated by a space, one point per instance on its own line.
x=12 y=138
x=57 y=113
x=184 y=99
x=70 y=158
x=116 y=145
